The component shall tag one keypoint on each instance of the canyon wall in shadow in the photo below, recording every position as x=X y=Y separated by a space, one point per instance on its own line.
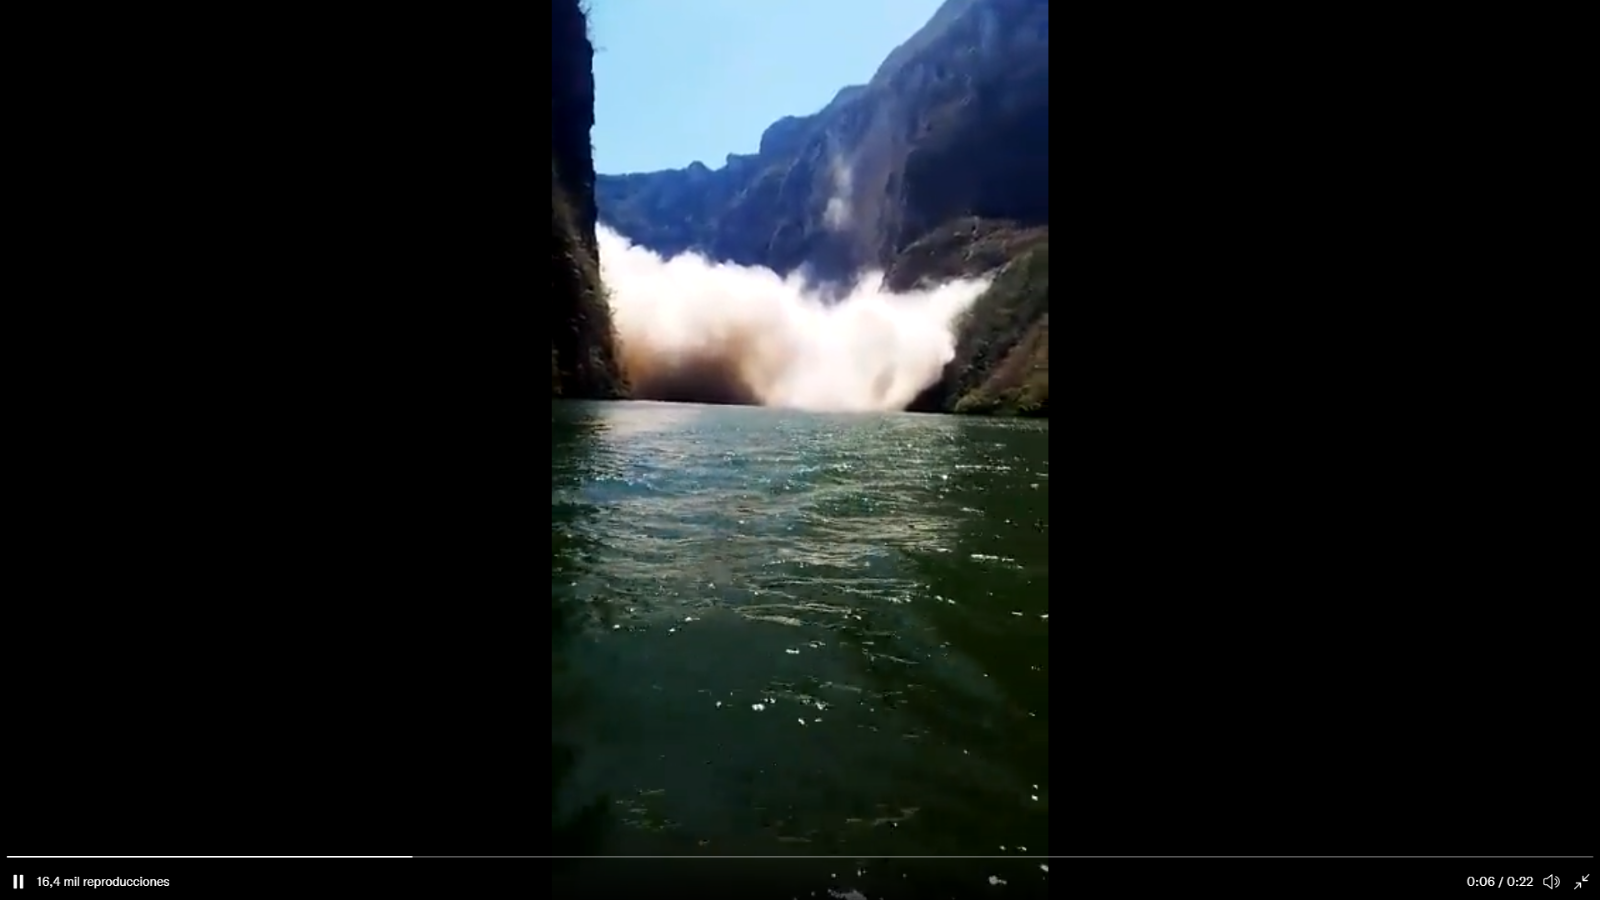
x=584 y=353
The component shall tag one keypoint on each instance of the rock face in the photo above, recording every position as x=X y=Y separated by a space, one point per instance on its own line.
x=584 y=346
x=938 y=167
x=954 y=123
x=1002 y=359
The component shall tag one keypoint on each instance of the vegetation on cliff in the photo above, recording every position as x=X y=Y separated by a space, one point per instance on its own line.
x=584 y=353
x=1002 y=362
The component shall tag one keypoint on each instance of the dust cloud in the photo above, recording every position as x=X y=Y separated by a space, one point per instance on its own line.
x=699 y=331
x=837 y=215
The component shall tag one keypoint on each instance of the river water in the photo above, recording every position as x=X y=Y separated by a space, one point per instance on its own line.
x=789 y=633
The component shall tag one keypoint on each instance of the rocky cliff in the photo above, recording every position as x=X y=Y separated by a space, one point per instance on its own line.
x=584 y=348
x=1002 y=358
x=938 y=167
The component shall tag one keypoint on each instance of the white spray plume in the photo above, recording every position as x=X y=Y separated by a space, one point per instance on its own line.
x=695 y=330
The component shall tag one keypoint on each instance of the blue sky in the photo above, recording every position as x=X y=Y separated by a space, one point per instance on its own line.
x=684 y=80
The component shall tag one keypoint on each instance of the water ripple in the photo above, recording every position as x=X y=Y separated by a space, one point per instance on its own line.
x=878 y=581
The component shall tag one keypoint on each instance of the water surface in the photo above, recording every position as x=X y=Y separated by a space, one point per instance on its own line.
x=790 y=633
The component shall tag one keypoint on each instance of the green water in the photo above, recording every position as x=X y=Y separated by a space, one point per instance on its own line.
x=790 y=633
